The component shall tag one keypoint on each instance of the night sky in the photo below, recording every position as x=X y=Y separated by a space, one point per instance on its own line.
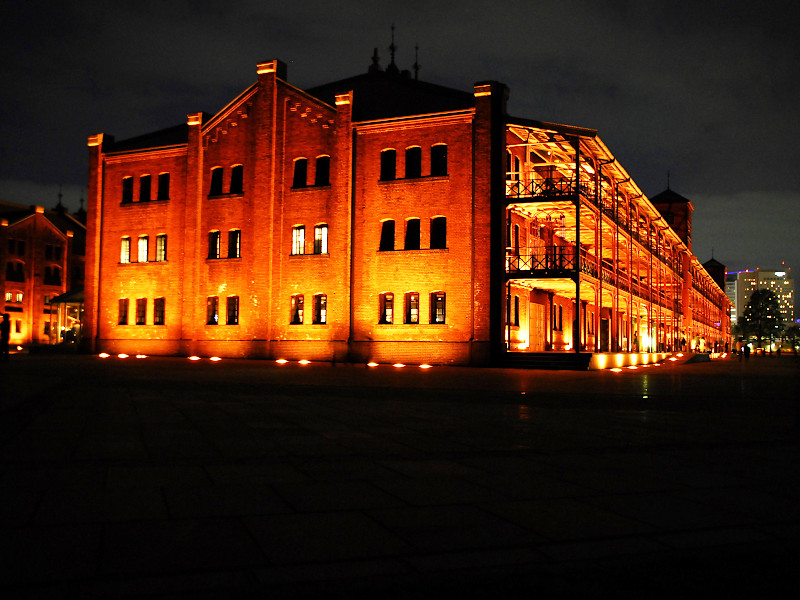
x=706 y=91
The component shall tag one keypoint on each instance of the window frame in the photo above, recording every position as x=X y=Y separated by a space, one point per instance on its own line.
x=322 y=171
x=145 y=188
x=159 y=311
x=161 y=247
x=413 y=234
x=387 y=238
x=438 y=239
x=411 y=311
x=386 y=315
x=413 y=162
x=214 y=244
x=212 y=310
x=143 y=248
x=141 y=311
x=125 y=250
x=237 y=180
x=320 y=316
x=439 y=160
x=163 y=187
x=297 y=309
x=127 y=189
x=215 y=184
x=300 y=173
x=298 y=240
x=388 y=165
x=123 y=311
x=438 y=308
x=321 y=238
x=234 y=243
x=232 y=310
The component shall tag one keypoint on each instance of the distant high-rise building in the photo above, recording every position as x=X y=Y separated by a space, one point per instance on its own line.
x=739 y=286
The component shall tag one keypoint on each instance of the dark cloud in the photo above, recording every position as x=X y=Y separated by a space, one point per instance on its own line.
x=704 y=90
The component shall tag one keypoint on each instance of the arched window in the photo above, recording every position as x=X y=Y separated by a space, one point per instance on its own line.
x=143 y=248
x=125 y=250
x=322 y=176
x=387 y=235
x=298 y=239
x=437 y=307
x=413 y=162
x=127 y=190
x=439 y=233
x=163 y=186
x=412 y=234
x=234 y=243
x=215 y=189
x=299 y=180
x=412 y=308
x=297 y=309
x=144 y=188
x=388 y=165
x=237 y=179
x=439 y=160
x=320 y=309
x=387 y=308
x=213 y=244
x=321 y=239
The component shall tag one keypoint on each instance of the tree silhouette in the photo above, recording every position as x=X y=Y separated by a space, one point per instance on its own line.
x=762 y=316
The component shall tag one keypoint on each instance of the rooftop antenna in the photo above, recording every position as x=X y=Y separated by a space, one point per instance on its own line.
x=667 y=179
x=59 y=206
x=392 y=68
x=416 y=62
x=375 y=66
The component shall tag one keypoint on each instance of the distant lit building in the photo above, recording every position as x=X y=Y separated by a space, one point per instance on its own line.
x=739 y=286
x=380 y=218
x=42 y=253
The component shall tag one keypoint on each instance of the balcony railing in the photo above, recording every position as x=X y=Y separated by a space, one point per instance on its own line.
x=548 y=187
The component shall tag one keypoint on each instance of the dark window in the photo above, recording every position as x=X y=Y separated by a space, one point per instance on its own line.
x=141 y=311
x=320 y=309
x=127 y=190
x=516 y=311
x=439 y=233
x=212 y=310
x=297 y=309
x=413 y=162
x=300 y=173
x=234 y=243
x=213 y=244
x=237 y=179
x=387 y=235
x=388 y=165
x=15 y=271
x=216 y=182
x=387 y=308
x=57 y=251
x=412 y=234
x=438 y=160
x=232 y=312
x=412 y=308
x=48 y=251
x=122 y=314
x=323 y=173
x=438 y=307
x=52 y=275
x=144 y=188
x=158 y=311
x=163 y=186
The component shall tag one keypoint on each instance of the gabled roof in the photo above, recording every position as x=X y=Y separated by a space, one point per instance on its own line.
x=669 y=197
x=170 y=136
x=382 y=94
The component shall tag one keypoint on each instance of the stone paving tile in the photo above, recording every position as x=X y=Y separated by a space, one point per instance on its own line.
x=173 y=546
x=296 y=577
x=426 y=491
x=476 y=559
x=254 y=473
x=344 y=469
x=17 y=505
x=223 y=501
x=341 y=495
x=156 y=475
x=81 y=504
x=43 y=555
x=38 y=477
x=713 y=537
x=449 y=528
x=530 y=485
x=563 y=519
x=602 y=549
x=329 y=536
x=228 y=584
x=749 y=505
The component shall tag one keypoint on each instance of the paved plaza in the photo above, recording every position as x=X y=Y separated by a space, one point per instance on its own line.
x=167 y=478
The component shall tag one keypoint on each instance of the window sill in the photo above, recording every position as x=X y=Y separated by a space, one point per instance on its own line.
x=225 y=196
x=144 y=202
x=319 y=255
x=306 y=188
x=413 y=179
x=420 y=250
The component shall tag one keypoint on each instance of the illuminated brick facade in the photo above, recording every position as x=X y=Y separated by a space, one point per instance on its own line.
x=42 y=256
x=376 y=218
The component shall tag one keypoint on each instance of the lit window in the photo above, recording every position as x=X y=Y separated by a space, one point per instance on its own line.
x=387 y=235
x=297 y=309
x=144 y=245
x=213 y=244
x=9 y=296
x=232 y=312
x=299 y=239
x=412 y=308
x=321 y=239
x=163 y=186
x=299 y=179
x=237 y=179
x=438 y=307
x=212 y=310
x=18 y=297
x=413 y=162
x=387 y=308
x=127 y=190
x=439 y=233
x=125 y=250
x=412 y=234
x=161 y=247
x=158 y=311
x=141 y=311
x=215 y=189
x=122 y=314
x=388 y=165
x=234 y=243
x=439 y=160
x=144 y=188
x=320 y=309
x=323 y=172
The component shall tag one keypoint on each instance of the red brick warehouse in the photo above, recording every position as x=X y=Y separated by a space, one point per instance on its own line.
x=381 y=218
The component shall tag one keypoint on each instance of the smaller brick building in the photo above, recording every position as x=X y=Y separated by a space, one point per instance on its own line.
x=381 y=218
x=42 y=253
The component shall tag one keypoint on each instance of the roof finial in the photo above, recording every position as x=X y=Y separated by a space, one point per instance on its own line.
x=59 y=206
x=416 y=61
x=392 y=68
x=375 y=66
x=667 y=178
